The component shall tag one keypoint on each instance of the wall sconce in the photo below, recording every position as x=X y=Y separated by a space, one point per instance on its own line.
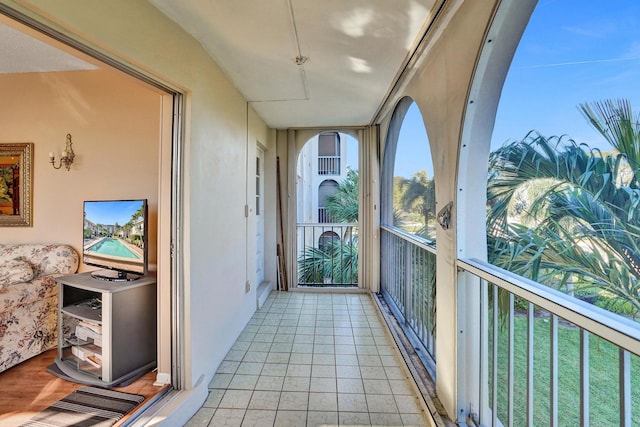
x=66 y=158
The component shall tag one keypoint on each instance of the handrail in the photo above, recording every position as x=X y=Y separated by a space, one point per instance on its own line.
x=412 y=238
x=327 y=224
x=614 y=328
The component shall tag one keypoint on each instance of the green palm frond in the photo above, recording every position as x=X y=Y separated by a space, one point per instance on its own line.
x=579 y=214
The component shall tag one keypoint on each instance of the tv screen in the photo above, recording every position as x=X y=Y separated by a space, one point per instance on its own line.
x=115 y=238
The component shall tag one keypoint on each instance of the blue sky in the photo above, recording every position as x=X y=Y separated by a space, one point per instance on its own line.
x=572 y=52
x=110 y=212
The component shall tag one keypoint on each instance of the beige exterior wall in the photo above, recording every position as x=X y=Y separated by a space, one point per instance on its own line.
x=440 y=86
x=220 y=134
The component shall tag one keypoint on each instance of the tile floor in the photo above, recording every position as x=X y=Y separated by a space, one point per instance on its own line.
x=309 y=359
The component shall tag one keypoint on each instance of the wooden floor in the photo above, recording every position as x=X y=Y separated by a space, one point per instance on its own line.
x=28 y=388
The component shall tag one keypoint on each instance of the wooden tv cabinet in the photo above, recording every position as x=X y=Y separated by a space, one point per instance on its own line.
x=106 y=329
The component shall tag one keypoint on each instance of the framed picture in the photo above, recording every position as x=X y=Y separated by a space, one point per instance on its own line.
x=16 y=184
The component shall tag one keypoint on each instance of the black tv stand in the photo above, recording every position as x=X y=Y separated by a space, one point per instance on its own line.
x=115 y=275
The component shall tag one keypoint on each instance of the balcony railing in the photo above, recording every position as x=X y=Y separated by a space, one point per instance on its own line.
x=408 y=282
x=327 y=254
x=328 y=165
x=323 y=216
x=544 y=357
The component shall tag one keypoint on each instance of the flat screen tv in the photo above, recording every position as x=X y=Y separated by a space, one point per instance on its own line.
x=115 y=238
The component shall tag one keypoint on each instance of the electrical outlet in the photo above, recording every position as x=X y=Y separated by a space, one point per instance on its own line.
x=247 y=287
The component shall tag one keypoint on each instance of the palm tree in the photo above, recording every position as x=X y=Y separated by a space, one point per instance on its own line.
x=342 y=206
x=419 y=196
x=335 y=262
x=582 y=206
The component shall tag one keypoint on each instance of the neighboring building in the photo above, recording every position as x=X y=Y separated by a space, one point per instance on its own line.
x=322 y=165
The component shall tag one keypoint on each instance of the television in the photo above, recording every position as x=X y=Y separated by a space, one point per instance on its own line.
x=115 y=238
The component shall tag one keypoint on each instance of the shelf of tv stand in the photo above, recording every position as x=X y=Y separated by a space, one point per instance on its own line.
x=126 y=313
x=82 y=311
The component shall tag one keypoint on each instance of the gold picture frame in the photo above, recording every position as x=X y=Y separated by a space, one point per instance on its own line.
x=16 y=184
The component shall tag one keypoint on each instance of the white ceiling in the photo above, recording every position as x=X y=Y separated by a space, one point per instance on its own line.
x=354 y=49
x=350 y=52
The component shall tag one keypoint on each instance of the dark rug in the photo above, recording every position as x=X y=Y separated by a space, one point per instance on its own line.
x=87 y=406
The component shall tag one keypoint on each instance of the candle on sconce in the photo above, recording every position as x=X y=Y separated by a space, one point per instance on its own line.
x=51 y=156
x=63 y=154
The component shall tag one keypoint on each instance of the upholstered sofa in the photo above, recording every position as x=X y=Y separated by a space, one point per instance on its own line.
x=29 y=298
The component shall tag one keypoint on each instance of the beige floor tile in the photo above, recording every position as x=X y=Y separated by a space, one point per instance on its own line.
x=372 y=386
x=293 y=401
x=348 y=402
x=414 y=420
x=264 y=400
x=258 y=418
x=301 y=358
x=214 y=398
x=353 y=419
x=350 y=385
x=408 y=404
x=290 y=419
x=323 y=385
x=348 y=371
x=324 y=359
x=236 y=399
x=296 y=384
x=249 y=368
x=274 y=369
x=379 y=419
x=227 y=417
x=381 y=403
x=299 y=371
x=201 y=418
x=243 y=382
x=322 y=419
x=400 y=387
x=323 y=402
x=220 y=381
x=269 y=383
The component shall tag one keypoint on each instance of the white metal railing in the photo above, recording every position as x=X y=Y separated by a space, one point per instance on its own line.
x=327 y=254
x=541 y=354
x=408 y=283
x=323 y=216
x=328 y=165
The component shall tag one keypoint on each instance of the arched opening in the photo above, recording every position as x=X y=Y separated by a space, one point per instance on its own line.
x=327 y=208
x=552 y=214
x=407 y=237
x=327 y=188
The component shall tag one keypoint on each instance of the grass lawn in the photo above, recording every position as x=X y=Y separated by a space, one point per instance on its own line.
x=603 y=372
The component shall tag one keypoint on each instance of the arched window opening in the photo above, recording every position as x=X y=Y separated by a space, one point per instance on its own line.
x=413 y=187
x=327 y=239
x=407 y=235
x=563 y=168
x=329 y=153
x=327 y=211
x=326 y=189
x=564 y=162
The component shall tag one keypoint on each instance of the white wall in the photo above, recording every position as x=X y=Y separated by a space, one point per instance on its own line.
x=217 y=147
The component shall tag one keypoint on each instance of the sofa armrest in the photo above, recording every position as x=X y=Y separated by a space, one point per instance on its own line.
x=45 y=259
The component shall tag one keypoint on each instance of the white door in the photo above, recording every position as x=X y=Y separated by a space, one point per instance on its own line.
x=259 y=216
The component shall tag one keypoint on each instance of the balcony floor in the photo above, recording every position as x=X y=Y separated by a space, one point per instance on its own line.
x=313 y=359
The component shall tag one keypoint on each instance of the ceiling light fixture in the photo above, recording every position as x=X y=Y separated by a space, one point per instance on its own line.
x=300 y=60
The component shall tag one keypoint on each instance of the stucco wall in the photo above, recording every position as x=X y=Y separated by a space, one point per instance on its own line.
x=440 y=87
x=220 y=133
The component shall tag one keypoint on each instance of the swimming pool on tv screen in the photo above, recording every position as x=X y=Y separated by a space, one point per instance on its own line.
x=112 y=247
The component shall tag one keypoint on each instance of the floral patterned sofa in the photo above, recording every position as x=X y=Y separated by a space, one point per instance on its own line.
x=29 y=298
